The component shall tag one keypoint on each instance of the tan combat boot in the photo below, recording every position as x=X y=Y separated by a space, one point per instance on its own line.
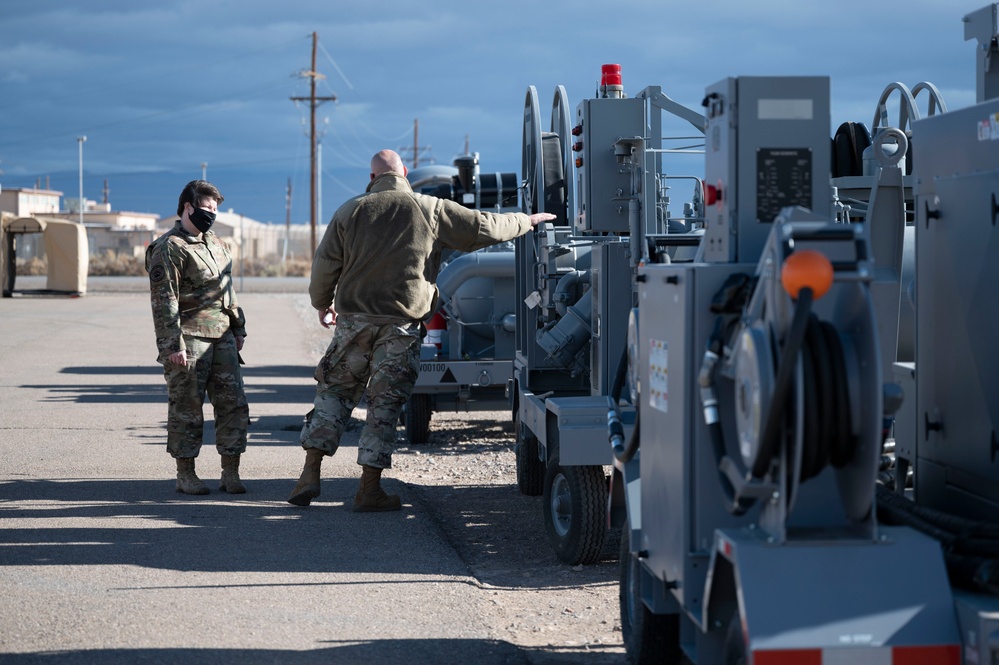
x=370 y=497
x=230 y=476
x=187 y=481
x=307 y=488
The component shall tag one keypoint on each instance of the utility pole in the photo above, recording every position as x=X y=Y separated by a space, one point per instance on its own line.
x=80 y=140
x=416 y=145
x=314 y=102
x=287 y=222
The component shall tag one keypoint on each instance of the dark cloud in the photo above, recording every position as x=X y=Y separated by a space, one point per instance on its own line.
x=159 y=88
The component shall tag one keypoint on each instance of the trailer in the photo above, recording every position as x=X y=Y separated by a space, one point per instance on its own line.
x=466 y=359
x=813 y=478
x=602 y=173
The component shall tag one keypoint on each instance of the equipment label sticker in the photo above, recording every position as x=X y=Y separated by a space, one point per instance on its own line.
x=988 y=129
x=433 y=373
x=659 y=375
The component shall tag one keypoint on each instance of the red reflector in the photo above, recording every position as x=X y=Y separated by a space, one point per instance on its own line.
x=942 y=654
x=788 y=657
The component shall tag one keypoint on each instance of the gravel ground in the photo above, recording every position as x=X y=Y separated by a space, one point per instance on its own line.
x=466 y=475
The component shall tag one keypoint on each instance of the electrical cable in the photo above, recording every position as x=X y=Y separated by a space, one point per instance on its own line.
x=828 y=438
x=820 y=404
x=970 y=547
x=842 y=441
x=728 y=303
x=770 y=440
x=624 y=452
x=811 y=461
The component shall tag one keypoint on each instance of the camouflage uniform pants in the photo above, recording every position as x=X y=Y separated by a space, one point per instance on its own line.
x=364 y=352
x=212 y=368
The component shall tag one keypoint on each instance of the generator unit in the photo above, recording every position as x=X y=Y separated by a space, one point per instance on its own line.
x=601 y=172
x=948 y=426
x=748 y=493
x=467 y=356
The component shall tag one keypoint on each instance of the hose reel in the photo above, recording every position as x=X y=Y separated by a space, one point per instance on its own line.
x=798 y=377
x=825 y=411
x=546 y=159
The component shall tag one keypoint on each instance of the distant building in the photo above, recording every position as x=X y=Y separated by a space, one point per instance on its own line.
x=113 y=231
x=29 y=202
x=107 y=230
x=129 y=233
x=118 y=232
x=251 y=239
x=25 y=202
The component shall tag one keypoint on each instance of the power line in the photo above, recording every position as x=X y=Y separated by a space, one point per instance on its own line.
x=336 y=66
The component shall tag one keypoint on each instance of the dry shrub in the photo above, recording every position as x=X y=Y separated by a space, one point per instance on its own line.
x=297 y=268
x=32 y=266
x=110 y=264
x=271 y=267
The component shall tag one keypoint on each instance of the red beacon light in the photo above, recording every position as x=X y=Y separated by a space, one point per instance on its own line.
x=611 y=82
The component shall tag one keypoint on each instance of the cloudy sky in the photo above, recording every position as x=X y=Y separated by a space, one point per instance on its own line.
x=158 y=88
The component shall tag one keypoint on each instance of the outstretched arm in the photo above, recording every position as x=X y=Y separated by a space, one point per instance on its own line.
x=539 y=217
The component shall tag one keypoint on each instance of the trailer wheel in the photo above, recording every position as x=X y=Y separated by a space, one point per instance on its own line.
x=530 y=468
x=648 y=637
x=575 y=499
x=417 y=413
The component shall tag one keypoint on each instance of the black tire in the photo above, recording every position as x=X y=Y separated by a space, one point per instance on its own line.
x=648 y=637
x=575 y=504
x=417 y=414
x=530 y=468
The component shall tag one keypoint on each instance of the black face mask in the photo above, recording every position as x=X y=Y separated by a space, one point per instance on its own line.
x=202 y=219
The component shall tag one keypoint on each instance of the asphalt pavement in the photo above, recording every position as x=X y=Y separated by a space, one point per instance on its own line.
x=101 y=560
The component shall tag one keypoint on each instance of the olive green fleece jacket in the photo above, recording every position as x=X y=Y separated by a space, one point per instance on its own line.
x=381 y=252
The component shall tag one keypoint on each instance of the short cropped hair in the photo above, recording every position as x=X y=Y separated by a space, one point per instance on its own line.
x=195 y=191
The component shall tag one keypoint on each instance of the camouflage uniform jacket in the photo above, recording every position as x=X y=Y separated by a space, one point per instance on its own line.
x=381 y=252
x=190 y=286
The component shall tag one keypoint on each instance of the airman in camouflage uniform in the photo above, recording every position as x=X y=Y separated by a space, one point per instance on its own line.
x=388 y=351
x=199 y=332
x=374 y=276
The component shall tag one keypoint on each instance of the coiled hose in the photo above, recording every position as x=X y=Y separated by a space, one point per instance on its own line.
x=971 y=548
